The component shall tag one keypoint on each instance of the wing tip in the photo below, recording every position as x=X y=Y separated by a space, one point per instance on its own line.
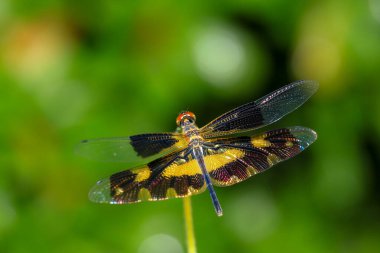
x=307 y=135
x=310 y=85
x=100 y=192
x=78 y=149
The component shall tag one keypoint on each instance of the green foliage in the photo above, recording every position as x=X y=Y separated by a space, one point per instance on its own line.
x=72 y=70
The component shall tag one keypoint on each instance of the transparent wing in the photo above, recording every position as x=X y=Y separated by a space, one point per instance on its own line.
x=264 y=111
x=241 y=157
x=133 y=150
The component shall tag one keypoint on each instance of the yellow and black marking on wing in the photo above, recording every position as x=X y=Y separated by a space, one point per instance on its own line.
x=248 y=156
x=228 y=161
x=147 y=145
x=132 y=150
x=173 y=176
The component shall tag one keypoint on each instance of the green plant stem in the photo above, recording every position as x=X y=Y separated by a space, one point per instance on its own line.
x=190 y=237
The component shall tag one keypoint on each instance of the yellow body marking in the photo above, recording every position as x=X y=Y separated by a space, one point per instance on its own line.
x=212 y=162
x=273 y=159
x=171 y=193
x=118 y=191
x=144 y=195
x=289 y=144
x=260 y=143
x=142 y=174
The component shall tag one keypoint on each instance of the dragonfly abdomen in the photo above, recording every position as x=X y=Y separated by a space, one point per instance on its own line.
x=198 y=155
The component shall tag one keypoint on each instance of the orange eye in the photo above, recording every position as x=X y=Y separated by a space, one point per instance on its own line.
x=185 y=115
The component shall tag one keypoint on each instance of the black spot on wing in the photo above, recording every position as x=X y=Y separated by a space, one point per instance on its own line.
x=158 y=186
x=254 y=160
x=284 y=144
x=249 y=116
x=150 y=144
x=124 y=179
x=125 y=185
x=226 y=172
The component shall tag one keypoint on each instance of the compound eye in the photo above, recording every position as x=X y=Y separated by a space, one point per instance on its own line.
x=185 y=115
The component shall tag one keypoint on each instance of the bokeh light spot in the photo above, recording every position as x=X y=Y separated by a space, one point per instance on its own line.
x=374 y=7
x=316 y=58
x=219 y=55
x=253 y=216
x=37 y=51
x=319 y=52
x=346 y=181
x=160 y=243
x=7 y=213
x=64 y=112
x=4 y=10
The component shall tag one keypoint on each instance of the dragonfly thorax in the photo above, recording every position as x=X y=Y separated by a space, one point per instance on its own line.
x=191 y=131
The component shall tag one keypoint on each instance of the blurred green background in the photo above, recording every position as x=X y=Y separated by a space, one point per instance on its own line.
x=71 y=70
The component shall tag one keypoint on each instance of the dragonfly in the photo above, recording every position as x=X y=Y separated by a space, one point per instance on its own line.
x=192 y=159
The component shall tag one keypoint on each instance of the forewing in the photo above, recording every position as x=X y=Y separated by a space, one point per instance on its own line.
x=173 y=176
x=241 y=157
x=264 y=111
x=136 y=149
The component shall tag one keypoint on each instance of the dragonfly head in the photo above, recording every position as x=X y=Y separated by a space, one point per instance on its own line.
x=185 y=118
